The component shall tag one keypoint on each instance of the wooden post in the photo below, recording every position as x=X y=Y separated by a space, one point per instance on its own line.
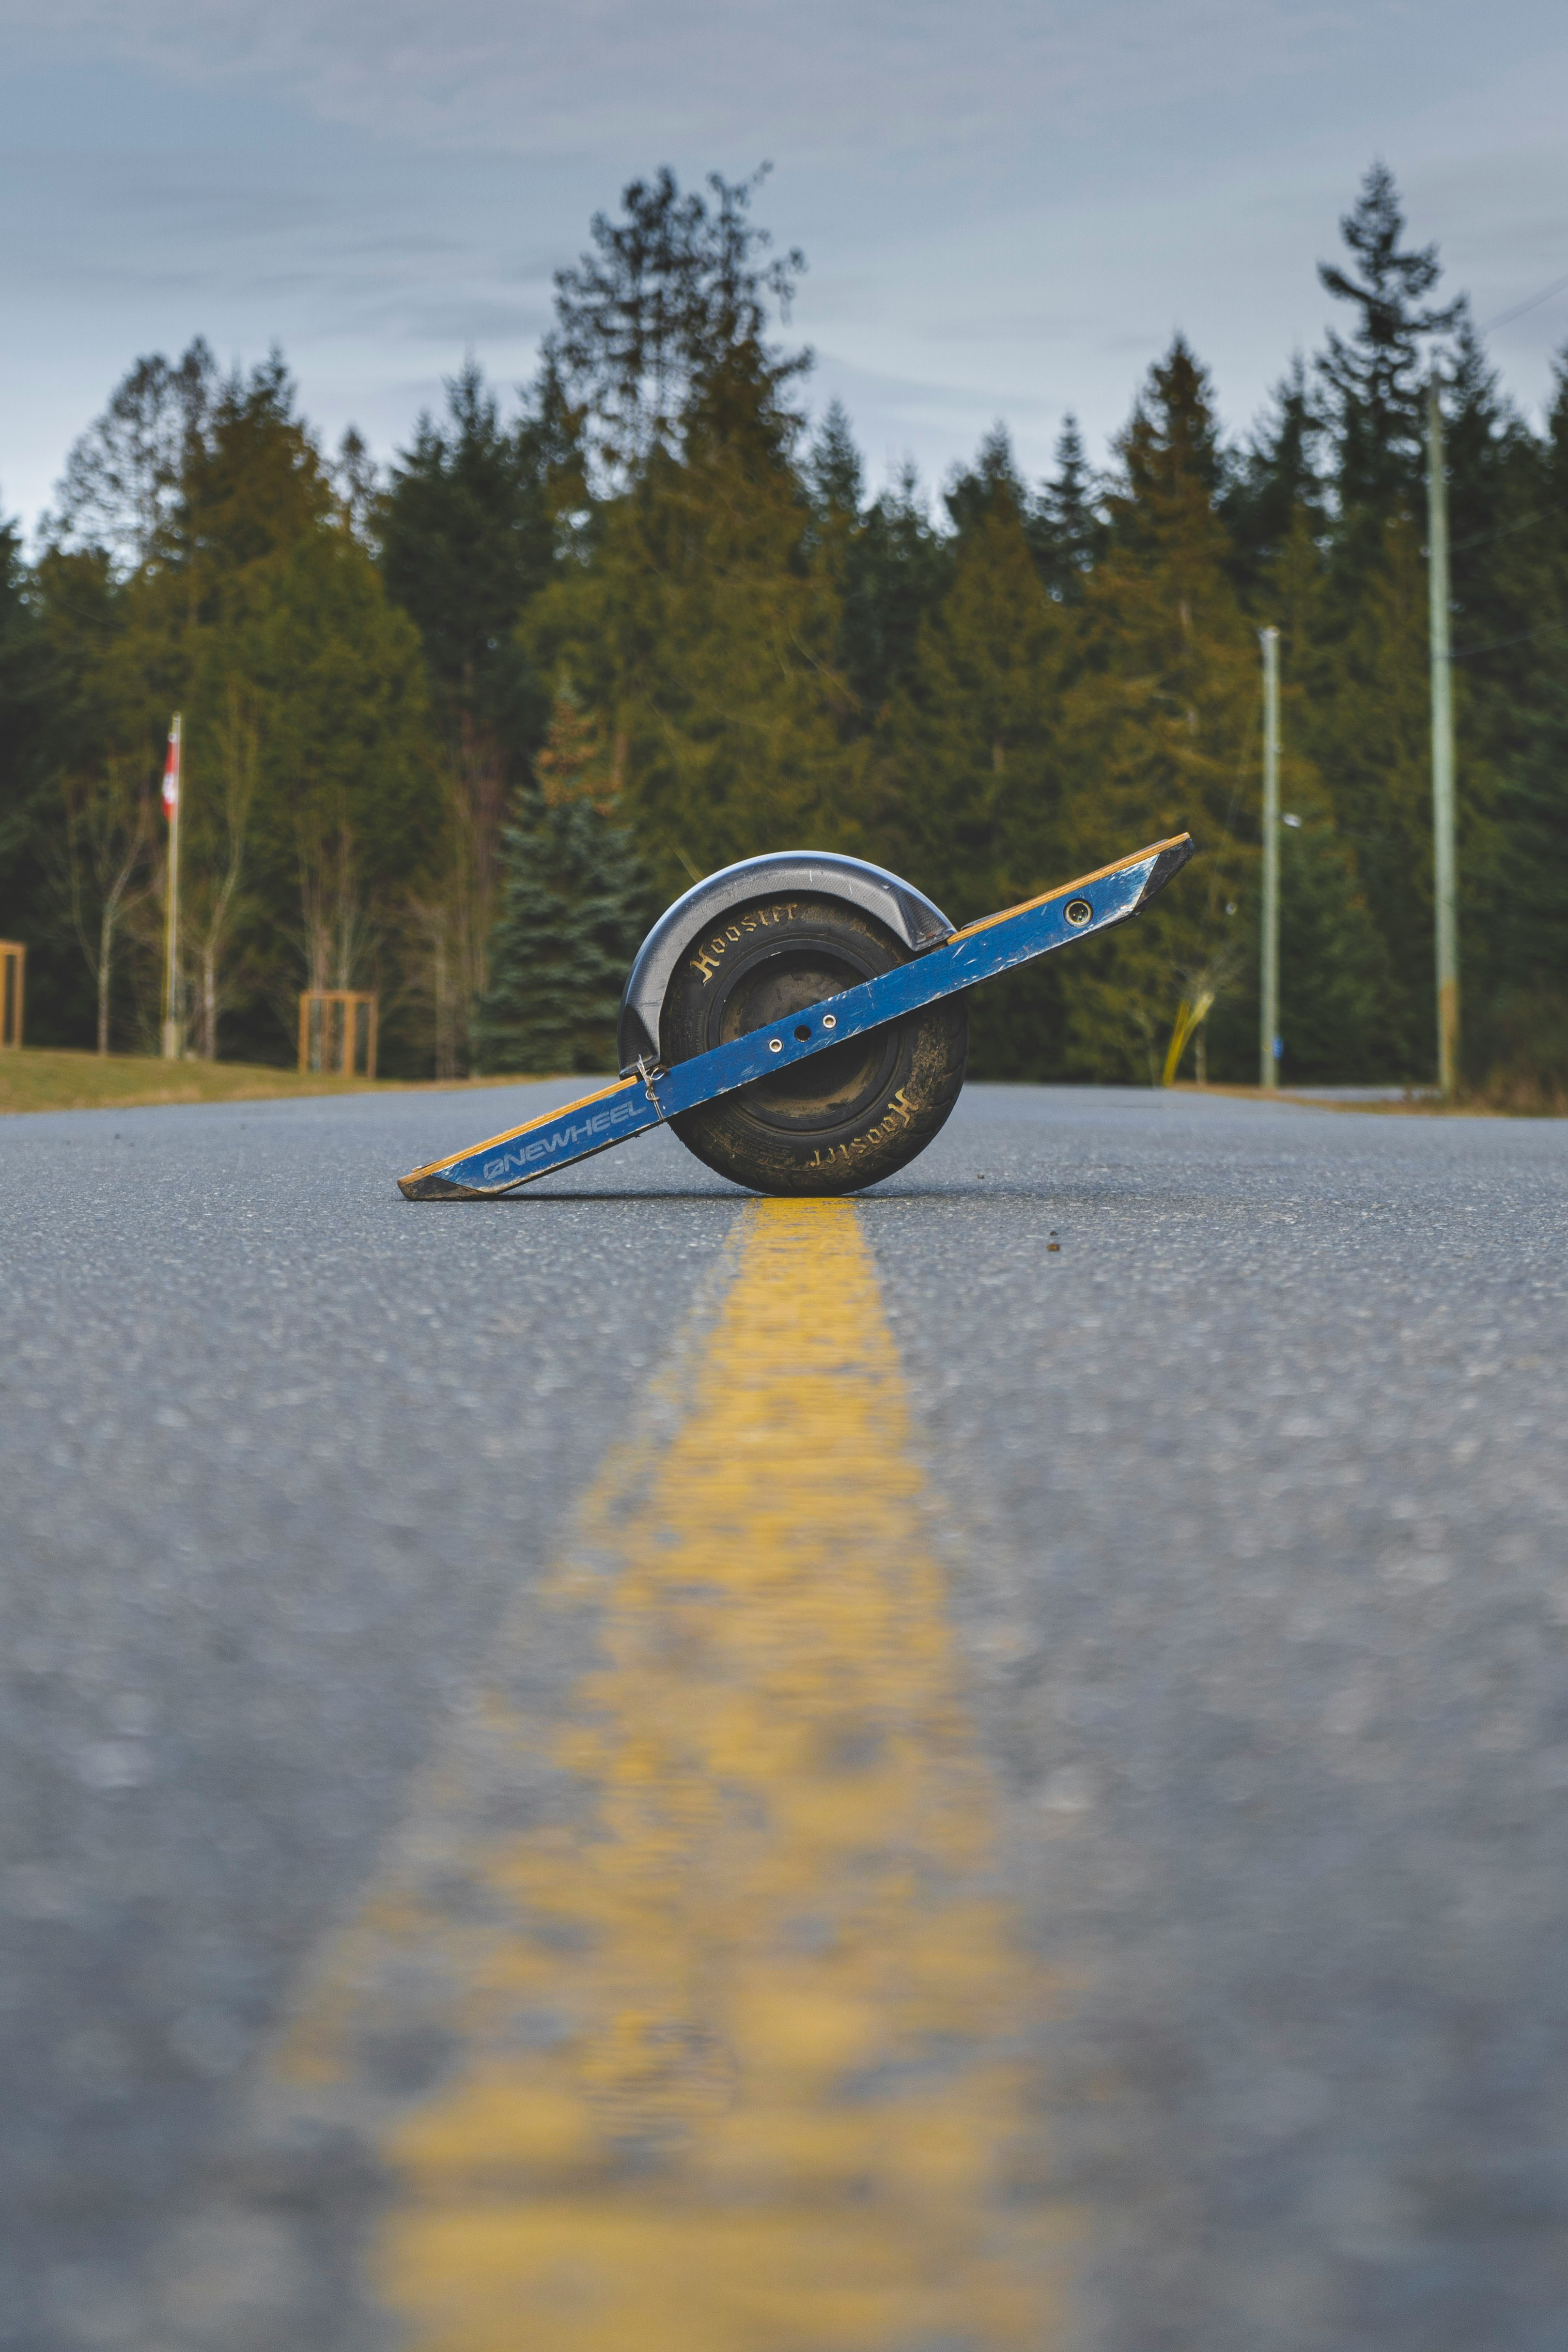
x=344 y=1002
x=12 y=973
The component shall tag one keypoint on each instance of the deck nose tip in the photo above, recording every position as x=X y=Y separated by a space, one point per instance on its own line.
x=1170 y=860
x=422 y=1187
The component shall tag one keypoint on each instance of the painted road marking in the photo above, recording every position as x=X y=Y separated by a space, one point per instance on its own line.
x=730 y=2056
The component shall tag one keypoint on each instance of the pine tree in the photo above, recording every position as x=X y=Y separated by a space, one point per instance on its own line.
x=1066 y=531
x=467 y=541
x=1159 y=728
x=885 y=565
x=668 y=304
x=835 y=477
x=470 y=536
x=1334 y=978
x=705 y=628
x=966 y=760
x=31 y=689
x=973 y=492
x=1365 y=719
x=1372 y=380
x=575 y=908
x=891 y=571
x=1521 y=1025
x=1273 y=485
x=989 y=698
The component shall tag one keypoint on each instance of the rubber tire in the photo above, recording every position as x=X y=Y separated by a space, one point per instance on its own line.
x=841 y=1119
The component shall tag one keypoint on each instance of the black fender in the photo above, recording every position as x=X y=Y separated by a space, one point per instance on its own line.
x=907 y=911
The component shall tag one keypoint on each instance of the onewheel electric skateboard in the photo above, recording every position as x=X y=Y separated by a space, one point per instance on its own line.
x=801 y=1022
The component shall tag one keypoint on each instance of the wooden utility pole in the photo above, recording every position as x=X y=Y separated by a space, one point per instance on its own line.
x=171 y=909
x=1445 y=859
x=1269 y=1015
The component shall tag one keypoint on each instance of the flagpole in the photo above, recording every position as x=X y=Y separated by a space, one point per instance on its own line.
x=172 y=911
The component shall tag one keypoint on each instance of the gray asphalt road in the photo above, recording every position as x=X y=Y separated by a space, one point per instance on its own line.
x=1250 y=1506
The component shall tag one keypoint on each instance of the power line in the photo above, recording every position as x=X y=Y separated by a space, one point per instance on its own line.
x=1495 y=645
x=1506 y=317
x=1520 y=522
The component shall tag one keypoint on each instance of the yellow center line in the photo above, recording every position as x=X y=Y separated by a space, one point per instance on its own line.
x=731 y=2057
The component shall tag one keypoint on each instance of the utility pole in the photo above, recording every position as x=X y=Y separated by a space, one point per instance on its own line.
x=1268 y=1022
x=171 y=908
x=1445 y=862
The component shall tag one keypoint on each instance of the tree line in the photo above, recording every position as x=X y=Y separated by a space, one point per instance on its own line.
x=456 y=729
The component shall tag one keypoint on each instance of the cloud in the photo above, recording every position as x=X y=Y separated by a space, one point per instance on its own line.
x=892 y=77
x=1008 y=205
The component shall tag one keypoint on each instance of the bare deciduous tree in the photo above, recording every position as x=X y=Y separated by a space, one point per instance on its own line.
x=122 y=485
x=215 y=898
x=107 y=833
x=453 y=919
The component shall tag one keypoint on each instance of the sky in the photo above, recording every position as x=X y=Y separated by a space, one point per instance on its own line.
x=1008 y=207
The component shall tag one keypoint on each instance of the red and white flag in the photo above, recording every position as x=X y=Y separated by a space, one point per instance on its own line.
x=172 y=770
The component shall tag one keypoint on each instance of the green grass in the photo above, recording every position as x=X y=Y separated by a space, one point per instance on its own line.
x=41 y=1078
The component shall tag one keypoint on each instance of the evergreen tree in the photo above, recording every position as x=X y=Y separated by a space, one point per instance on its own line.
x=886 y=562
x=1368 y=727
x=1160 y=727
x=967 y=744
x=356 y=481
x=468 y=540
x=29 y=688
x=575 y=908
x=706 y=637
x=254 y=484
x=1273 y=486
x=1334 y=979
x=1365 y=718
x=976 y=492
x=1521 y=688
x=673 y=296
x=468 y=533
x=1066 y=531
x=835 y=477
x=1372 y=380
x=62 y=615
x=990 y=698
x=704 y=620
x=1523 y=1024
x=892 y=572
x=967 y=764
